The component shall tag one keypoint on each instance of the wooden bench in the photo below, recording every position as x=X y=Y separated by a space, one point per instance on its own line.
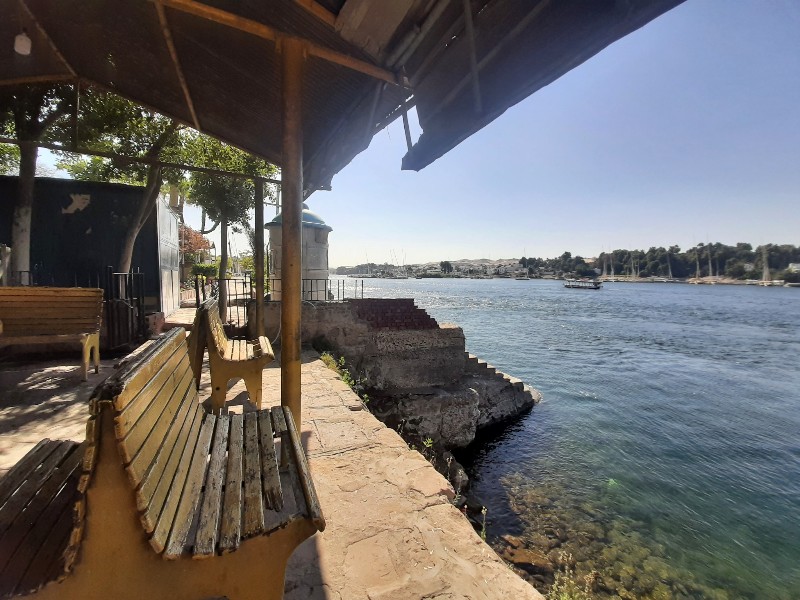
x=158 y=485
x=227 y=359
x=46 y=315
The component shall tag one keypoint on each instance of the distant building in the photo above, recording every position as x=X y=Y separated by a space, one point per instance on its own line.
x=794 y=267
x=315 y=256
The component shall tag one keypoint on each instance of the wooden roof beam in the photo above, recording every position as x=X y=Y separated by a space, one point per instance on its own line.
x=162 y=19
x=266 y=32
x=319 y=11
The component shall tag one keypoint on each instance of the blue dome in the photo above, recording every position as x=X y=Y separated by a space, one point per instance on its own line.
x=310 y=219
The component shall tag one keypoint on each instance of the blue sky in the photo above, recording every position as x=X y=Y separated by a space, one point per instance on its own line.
x=686 y=131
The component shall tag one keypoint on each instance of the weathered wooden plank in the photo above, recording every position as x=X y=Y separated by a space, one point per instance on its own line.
x=20 y=471
x=298 y=497
x=49 y=291
x=134 y=375
x=273 y=496
x=278 y=420
x=32 y=313
x=48 y=558
x=190 y=495
x=231 y=518
x=172 y=472
x=147 y=434
x=312 y=502
x=10 y=339
x=39 y=516
x=138 y=402
x=166 y=519
x=208 y=526
x=11 y=509
x=253 y=521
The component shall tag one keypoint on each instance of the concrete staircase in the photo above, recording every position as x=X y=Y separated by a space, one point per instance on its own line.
x=478 y=367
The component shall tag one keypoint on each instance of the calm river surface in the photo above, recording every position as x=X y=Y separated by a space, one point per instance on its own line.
x=666 y=452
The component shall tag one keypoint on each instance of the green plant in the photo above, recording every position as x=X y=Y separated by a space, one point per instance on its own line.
x=329 y=361
x=566 y=585
x=204 y=269
x=484 y=510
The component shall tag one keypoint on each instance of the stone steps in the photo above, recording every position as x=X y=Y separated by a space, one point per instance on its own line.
x=477 y=366
x=393 y=313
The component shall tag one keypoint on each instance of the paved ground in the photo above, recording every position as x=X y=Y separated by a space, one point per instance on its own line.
x=391 y=533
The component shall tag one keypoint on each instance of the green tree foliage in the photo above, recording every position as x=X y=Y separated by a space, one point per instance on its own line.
x=9 y=159
x=446 y=267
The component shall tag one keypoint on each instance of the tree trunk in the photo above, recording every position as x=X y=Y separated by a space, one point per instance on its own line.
x=223 y=271
x=21 y=225
x=146 y=204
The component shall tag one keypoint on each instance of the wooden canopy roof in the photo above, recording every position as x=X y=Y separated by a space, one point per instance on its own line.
x=215 y=64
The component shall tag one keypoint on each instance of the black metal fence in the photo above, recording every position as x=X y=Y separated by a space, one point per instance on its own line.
x=324 y=290
x=124 y=313
x=239 y=290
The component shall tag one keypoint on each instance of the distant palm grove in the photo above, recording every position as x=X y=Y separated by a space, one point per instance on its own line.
x=741 y=261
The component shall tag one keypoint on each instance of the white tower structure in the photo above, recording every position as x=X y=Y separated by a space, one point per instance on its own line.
x=314 y=260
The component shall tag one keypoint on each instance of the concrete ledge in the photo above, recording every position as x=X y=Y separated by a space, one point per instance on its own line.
x=392 y=532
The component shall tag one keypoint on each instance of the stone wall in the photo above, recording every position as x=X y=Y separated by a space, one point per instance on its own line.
x=391 y=353
x=419 y=377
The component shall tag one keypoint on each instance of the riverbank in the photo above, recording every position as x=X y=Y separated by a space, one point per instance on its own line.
x=392 y=532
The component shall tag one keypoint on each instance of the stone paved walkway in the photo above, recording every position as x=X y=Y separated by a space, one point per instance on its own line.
x=391 y=533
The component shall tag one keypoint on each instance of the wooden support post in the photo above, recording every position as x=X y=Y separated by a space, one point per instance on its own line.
x=291 y=227
x=259 y=257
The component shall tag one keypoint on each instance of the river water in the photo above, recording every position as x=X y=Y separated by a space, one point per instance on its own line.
x=665 y=455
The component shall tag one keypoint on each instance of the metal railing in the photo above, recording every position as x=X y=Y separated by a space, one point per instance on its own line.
x=324 y=290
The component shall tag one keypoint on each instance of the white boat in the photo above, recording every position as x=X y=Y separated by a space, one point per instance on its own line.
x=583 y=284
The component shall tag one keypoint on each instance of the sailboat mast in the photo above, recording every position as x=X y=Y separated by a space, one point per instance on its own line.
x=710 y=270
x=765 y=276
x=697 y=258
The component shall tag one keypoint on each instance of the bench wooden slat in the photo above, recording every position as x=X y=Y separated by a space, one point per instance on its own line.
x=19 y=472
x=139 y=402
x=48 y=558
x=148 y=432
x=312 y=502
x=44 y=336
x=165 y=462
x=230 y=529
x=38 y=291
x=279 y=420
x=133 y=376
x=208 y=525
x=253 y=521
x=36 y=520
x=11 y=509
x=273 y=498
x=165 y=520
x=159 y=510
x=190 y=496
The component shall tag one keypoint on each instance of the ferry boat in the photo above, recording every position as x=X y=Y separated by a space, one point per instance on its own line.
x=583 y=284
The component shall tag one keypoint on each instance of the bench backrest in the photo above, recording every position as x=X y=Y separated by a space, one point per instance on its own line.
x=216 y=337
x=28 y=311
x=157 y=418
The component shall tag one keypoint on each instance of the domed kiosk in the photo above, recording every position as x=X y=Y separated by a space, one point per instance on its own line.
x=315 y=256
